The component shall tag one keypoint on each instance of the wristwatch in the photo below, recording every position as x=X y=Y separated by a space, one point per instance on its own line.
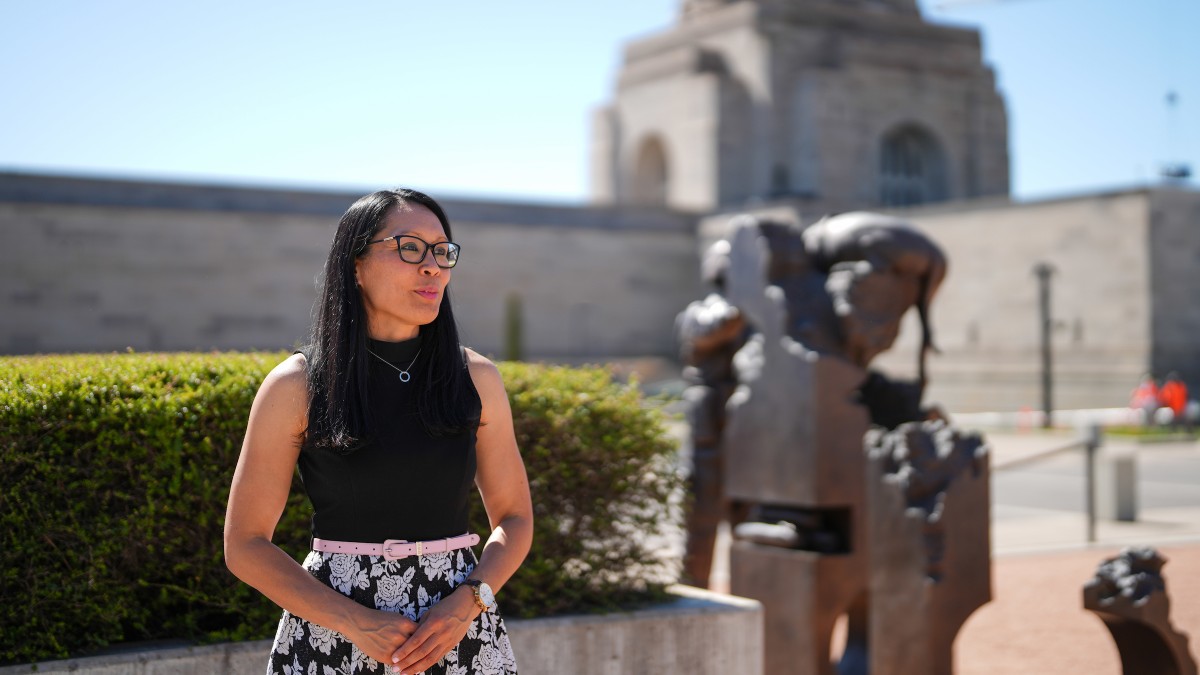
x=483 y=594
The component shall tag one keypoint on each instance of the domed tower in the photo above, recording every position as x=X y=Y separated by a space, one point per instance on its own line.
x=831 y=104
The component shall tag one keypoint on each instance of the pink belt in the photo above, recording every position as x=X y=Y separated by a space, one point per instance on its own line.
x=395 y=549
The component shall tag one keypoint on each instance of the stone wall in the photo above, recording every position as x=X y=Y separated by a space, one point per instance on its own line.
x=586 y=292
x=986 y=316
x=91 y=265
x=104 y=278
x=1175 y=283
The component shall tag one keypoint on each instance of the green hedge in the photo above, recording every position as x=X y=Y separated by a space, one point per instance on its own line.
x=115 y=469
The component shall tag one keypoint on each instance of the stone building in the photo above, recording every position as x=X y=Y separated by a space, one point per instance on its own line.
x=788 y=108
x=835 y=104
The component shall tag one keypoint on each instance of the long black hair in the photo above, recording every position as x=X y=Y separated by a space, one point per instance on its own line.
x=339 y=415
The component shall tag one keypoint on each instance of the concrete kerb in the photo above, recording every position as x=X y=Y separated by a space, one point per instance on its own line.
x=232 y=657
x=698 y=631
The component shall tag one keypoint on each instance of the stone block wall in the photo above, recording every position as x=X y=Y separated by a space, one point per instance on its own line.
x=106 y=278
x=986 y=316
x=108 y=265
x=584 y=292
x=1174 y=243
x=94 y=265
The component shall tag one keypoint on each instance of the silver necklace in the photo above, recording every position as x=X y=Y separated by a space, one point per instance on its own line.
x=404 y=376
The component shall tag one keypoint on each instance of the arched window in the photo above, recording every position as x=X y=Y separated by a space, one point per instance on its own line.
x=650 y=175
x=911 y=168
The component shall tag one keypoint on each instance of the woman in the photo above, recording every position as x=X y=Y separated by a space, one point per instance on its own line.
x=390 y=421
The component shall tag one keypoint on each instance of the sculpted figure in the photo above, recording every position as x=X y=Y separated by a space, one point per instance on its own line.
x=710 y=332
x=878 y=267
x=1129 y=594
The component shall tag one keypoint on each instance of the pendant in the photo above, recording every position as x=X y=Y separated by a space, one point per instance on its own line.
x=404 y=376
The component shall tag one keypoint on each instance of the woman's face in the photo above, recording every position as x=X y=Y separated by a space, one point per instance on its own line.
x=400 y=297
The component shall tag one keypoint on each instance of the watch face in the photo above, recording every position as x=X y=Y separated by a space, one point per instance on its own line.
x=486 y=595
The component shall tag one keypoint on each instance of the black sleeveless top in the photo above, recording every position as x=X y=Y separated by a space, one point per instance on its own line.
x=403 y=483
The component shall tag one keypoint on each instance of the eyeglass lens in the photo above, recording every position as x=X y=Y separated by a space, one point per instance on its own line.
x=412 y=250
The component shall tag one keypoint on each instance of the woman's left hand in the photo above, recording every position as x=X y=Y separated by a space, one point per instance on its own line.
x=442 y=627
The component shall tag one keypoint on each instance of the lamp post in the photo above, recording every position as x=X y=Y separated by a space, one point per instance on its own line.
x=1044 y=271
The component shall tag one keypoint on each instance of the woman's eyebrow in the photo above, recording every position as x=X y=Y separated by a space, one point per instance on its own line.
x=411 y=233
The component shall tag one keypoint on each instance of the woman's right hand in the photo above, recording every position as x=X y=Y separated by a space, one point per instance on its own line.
x=378 y=634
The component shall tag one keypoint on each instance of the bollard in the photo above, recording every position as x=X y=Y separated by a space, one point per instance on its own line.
x=1116 y=486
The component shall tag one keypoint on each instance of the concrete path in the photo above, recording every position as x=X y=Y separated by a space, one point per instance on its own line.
x=1040 y=505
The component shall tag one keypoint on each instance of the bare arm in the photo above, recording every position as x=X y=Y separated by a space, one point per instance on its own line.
x=504 y=486
x=257 y=497
x=502 y=481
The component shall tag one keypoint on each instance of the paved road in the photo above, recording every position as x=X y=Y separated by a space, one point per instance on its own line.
x=1041 y=505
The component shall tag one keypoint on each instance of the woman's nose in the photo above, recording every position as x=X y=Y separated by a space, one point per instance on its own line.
x=429 y=265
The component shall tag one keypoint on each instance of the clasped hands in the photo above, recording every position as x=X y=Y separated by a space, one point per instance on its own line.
x=407 y=646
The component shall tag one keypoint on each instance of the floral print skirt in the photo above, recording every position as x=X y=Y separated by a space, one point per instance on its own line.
x=409 y=586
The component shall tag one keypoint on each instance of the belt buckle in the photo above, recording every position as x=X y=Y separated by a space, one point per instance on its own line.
x=387 y=549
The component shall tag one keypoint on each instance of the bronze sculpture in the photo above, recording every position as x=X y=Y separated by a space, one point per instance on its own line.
x=710 y=333
x=1129 y=594
x=878 y=267
x=835 y=526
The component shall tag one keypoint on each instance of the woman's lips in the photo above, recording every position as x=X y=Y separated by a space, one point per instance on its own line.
x=427 y=293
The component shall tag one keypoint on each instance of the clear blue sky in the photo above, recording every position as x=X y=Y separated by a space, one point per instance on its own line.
x=493 y=99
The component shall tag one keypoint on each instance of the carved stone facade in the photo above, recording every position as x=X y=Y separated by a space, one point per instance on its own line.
x=836 y=104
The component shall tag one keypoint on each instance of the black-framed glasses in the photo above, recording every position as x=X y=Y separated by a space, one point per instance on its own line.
x=412 y=250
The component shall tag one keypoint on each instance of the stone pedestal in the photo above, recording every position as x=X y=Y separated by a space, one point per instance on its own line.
x=803 y=593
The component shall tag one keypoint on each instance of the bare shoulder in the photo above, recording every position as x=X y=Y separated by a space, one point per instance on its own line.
x=488 y=383
x=483 y=372
x=287 y=385
x=290 y=372
x=496 y=412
